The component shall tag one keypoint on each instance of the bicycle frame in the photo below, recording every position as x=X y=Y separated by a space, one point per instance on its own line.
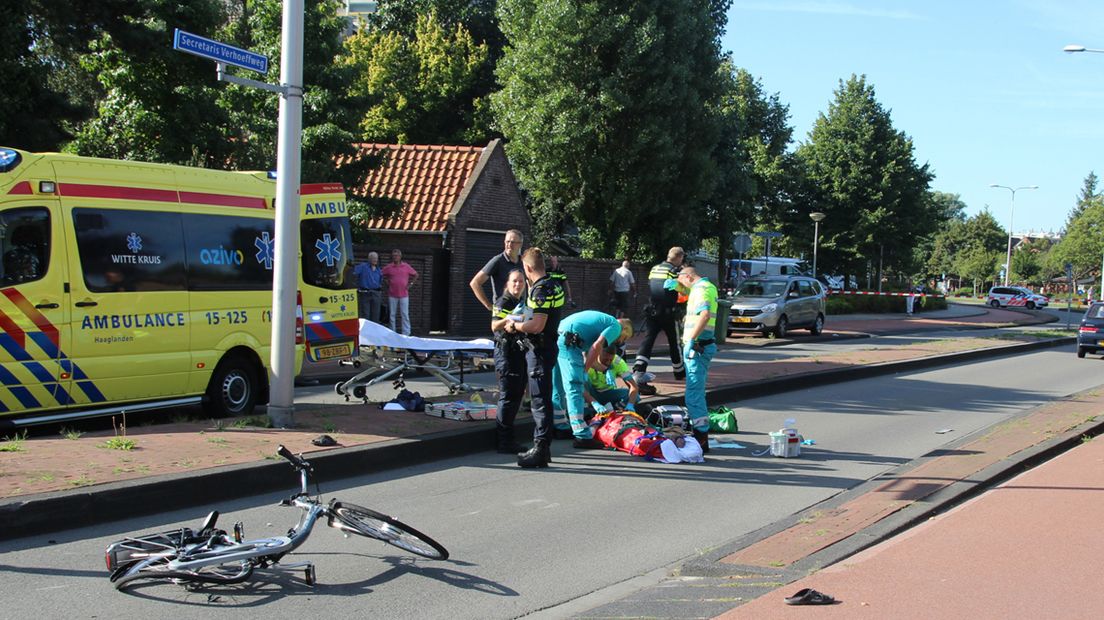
x=182 y=555
x=207 y=554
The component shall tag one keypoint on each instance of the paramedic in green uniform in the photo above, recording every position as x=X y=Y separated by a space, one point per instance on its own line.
x=698 y=348
x=583 y=335
x=602 y=382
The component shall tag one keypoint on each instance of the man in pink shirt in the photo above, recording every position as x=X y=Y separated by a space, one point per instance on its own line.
x=400 y=277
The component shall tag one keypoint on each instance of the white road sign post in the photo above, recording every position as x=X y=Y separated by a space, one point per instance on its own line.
x=281 y=407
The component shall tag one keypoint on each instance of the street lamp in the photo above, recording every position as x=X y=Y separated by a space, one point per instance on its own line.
x=1072 y=49
x=1011 y=213
x=817 y=218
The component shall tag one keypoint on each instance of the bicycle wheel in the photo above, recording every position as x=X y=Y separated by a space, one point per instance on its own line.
x=158 y=569
x=360 y=520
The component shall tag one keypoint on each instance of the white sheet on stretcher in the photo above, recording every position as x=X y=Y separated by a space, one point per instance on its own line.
x=376 y=335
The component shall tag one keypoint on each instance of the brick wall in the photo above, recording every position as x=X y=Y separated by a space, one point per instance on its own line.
x=589 y=282
x=416 y=250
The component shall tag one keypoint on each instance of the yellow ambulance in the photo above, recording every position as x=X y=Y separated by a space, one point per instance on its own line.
x=127 y=286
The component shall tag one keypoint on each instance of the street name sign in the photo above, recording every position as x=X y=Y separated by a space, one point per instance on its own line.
x=219 y=52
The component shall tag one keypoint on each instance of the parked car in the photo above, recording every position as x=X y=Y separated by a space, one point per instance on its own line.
x=775 y=304
x=1090 y=335
x=1016 y=296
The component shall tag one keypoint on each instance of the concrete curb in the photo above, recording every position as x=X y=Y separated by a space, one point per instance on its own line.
x=36 y=514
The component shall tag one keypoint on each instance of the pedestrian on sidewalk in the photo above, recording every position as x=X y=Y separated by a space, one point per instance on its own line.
x=369 y=279
x=662 y=315
x=622 y=284
x=545 y=301
x=510 y=366
x=498 y=269
x=400 y=278
x=699 y=347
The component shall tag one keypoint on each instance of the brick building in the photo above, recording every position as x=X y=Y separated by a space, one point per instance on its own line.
x=458 y=202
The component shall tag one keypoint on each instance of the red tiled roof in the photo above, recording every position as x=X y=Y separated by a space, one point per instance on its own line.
x=428 y=180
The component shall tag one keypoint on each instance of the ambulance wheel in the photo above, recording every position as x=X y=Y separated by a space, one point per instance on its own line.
x=233 y=388
x=1030 y=305
x=995 y=303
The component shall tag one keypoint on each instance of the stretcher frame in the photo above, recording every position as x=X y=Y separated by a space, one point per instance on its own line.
x=385 y=363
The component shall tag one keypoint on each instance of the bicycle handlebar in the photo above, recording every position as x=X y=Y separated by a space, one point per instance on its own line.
x=295 y=461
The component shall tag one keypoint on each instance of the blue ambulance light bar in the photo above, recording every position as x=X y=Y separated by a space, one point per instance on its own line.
x=9 y=159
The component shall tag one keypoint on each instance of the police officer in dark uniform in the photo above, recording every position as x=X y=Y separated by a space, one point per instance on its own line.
x=546 y=301
x=510 y=365
x=663 y=316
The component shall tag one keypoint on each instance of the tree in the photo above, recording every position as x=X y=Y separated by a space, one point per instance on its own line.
x=28 y=118
x=1086 y=198
x=158 y=104
x=419 y=89
x=1083 y=244
x=977 y=235
x=978 y=265
x=605 y=105
x=751 y=156
x=861 y=172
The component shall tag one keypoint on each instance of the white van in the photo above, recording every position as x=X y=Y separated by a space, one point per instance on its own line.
x=768 y=266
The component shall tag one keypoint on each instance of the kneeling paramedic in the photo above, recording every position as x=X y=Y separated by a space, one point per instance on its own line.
x=698 y=348
x=510 y=365
x=602 y=391
x=582 y=337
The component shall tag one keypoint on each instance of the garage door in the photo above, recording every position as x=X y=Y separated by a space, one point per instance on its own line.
x=481 y=247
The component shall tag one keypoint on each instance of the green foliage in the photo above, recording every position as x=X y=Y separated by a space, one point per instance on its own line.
x=33 y=108
x=860 y=171
x=14 y=443
x=420 y=88
x=753 y=164
x=978 y=235
x=606 y=108
x=158 y=105
x=1083 y=244
x=119 y=443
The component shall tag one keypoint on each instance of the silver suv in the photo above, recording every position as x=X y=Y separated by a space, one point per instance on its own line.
x=775 y=304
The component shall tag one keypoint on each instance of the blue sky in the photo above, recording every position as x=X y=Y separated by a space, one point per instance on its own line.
x=983 y=88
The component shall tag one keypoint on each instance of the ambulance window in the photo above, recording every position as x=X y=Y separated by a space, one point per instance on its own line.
x=326 y=244
x=122 y=250
x=24 y=245
x=229 y=253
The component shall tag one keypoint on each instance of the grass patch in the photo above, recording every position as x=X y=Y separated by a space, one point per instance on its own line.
x=46 y=477
x=82 y=481
x=258 y=421
x=329 y=428
x=119 y=443
x=217 y=440
x=71 y=434
x=14 y=443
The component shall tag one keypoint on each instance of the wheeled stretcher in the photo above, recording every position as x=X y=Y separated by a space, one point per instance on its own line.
x=388 y=355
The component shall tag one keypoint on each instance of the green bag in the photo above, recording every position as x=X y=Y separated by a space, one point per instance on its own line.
x=723 y=420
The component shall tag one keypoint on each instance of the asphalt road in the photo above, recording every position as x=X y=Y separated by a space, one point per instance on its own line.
x=526 y=542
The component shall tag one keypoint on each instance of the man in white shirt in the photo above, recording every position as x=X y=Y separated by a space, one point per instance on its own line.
x=622 y=283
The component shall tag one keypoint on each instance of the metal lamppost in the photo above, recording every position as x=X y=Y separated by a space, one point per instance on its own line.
x=1080 y=48
x=817 y=218
x=1011 y=213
